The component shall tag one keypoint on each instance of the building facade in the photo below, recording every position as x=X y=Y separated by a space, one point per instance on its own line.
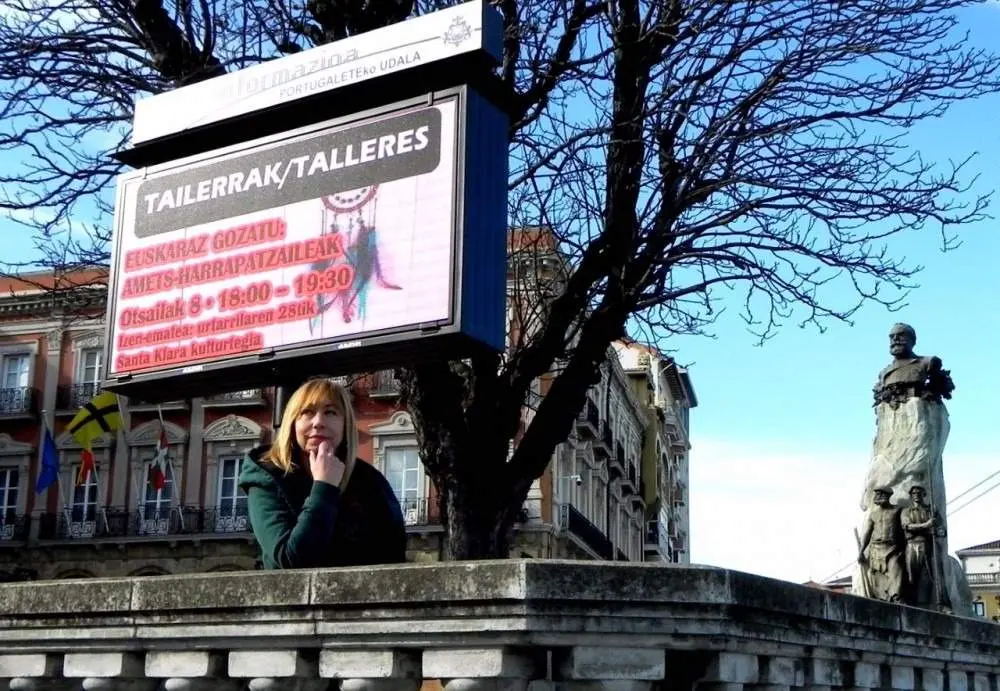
x=667 y=395
x=592 y=503
x=981 y=564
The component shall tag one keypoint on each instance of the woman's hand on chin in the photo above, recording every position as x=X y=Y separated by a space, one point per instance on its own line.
x=324 y=464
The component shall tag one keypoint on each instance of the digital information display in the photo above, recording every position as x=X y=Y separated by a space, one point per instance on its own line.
x=331 y=235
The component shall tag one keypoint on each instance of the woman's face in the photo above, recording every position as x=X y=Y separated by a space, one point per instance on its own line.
x=319 y=423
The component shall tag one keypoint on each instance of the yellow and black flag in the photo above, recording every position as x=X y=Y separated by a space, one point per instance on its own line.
x=99 y=416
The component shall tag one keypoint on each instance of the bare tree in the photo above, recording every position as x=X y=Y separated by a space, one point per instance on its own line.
x=669 y=149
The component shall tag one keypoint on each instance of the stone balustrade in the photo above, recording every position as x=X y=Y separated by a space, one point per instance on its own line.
x=480 y=626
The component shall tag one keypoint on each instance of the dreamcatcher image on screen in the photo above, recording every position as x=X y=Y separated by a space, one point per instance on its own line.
x=352 y=214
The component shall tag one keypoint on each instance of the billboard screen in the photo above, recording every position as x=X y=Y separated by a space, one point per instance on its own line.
x=337 y=233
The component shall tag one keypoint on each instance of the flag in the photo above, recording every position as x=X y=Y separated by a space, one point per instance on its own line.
x=49 y=473
x=157 y=475
x=86 y=466
x=99 y=416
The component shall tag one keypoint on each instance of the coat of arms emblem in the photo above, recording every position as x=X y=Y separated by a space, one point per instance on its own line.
x=458 y=32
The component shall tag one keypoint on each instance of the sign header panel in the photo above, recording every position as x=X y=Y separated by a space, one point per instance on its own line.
x=464 y=29
x=332 y=235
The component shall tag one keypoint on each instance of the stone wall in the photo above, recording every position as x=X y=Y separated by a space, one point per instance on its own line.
x=519 y=625
x=187 y=554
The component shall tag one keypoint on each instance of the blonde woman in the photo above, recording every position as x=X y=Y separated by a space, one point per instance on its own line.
x=311 y=502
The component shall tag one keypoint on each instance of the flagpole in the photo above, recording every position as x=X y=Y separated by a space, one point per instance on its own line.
x=62 y=500
x=174 y=487
x=59 y=484
x=101 y=495
x=60 y=490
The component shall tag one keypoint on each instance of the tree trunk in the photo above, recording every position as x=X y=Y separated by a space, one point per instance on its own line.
x=476 y=527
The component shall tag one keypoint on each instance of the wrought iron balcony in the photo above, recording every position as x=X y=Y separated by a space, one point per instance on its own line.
x=657 y=536
x=415 y=512
x=242 y=397
x=589 y=420
x=19 y=400
x=138 y=524
x=572 y=521
x=383 y=384
x=606 y=435
x=75 y=396
x=14 y=527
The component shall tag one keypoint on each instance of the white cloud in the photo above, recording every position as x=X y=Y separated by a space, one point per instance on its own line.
x=789 y=513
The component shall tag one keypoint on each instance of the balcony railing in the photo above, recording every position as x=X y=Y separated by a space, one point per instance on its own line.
x=137 y=524
x=617 y=465
x=589 y=419
x=236 y=397
x=383 y=385
x=572 y=521
x=20 y=400
x=657 y=536
x=14 y=527
x=415 y=511
x=983 y=578
x=75 y=396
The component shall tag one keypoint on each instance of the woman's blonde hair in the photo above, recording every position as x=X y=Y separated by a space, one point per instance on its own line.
x=320 y=391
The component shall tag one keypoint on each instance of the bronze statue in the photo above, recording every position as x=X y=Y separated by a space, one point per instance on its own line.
x=910 y=375
x=924 y=570
x=881 y=549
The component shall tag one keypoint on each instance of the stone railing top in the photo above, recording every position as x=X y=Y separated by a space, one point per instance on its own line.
x=515 y=602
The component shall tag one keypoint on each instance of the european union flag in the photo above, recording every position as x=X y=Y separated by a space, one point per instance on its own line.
x=49 y=473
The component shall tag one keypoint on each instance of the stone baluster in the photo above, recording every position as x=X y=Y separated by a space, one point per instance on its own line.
x=121 y=671
x=930 y=679
x=591 y=668
x=34 y=672
x=823 y=674
x=981 y=682
x=482 y=669
x=190 y=670
x=730 y=672
x=958 y=680
x=778 y=674
x=277 y=670
x=372 y=670
x=902 y=678
x=867 y=675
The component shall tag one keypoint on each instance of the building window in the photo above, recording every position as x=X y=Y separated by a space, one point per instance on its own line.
x=16 y=368
x=89 y=368
x=8 y=499
x=980 y=608
x=154 y=510
x=402 y=465
x=231 y=512
x=83 y=509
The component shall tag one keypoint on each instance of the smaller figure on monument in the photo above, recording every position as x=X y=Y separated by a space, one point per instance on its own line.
x=922 y=526
x=910 y=375
x=882 y=567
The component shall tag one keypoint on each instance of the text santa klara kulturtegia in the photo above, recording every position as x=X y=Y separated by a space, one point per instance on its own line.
x=306 y=167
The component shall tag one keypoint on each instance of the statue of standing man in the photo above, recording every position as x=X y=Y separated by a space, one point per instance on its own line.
x=912 y=428
x=881 y=550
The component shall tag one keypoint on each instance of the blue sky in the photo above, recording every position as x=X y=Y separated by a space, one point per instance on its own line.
x=783 y=432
